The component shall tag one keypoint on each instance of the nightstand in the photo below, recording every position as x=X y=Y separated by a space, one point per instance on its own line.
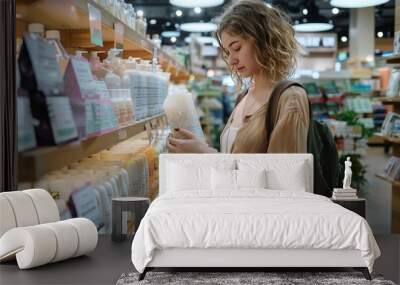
x=355 y=205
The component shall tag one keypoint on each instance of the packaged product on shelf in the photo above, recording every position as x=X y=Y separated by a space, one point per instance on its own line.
x=181 y=112
x=83 y=203
x=134 y=79
x=41 y=79
x=26 y=132
x=394 y=84
x=96 y=66
x=62 y=56
x=90 y=99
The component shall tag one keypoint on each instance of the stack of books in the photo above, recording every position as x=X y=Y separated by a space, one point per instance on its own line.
x=344 y=194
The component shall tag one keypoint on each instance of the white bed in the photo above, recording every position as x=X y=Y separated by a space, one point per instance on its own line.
x=198 y=223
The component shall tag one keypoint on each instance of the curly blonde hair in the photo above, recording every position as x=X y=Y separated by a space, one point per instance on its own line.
x=274 y=41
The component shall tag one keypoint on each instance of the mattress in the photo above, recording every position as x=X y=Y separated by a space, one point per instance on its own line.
x=250 y=219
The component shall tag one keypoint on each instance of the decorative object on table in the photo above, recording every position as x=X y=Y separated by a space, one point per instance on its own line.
x=32 y=233
x=358 y=170
x=121 y=207
x=347 y=192
x=248 y=278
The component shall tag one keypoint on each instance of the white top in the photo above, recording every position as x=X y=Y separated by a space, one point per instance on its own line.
x=228 y=138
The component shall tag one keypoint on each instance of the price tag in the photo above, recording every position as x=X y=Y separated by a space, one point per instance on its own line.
x=96 y=35
x=118 y=35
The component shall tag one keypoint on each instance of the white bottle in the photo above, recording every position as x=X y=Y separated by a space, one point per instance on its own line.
x=181 y=112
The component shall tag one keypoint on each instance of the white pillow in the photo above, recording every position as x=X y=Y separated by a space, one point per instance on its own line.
x=281 y=174
x=294 y=179
x=251 y=178
x=223 y=179
x=183 y=177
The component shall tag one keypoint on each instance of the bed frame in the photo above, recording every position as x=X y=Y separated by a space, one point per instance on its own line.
x=240 y=259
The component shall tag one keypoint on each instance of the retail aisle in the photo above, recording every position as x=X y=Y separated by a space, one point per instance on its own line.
x=377 y=192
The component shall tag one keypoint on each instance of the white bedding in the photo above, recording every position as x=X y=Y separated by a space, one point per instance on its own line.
x=252 y=218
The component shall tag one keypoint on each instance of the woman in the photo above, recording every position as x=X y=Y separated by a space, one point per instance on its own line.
x=258 y=43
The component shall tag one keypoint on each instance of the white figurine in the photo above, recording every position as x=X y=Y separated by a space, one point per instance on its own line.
x=347 y=174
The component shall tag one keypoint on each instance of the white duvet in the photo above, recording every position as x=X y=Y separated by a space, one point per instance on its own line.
x=250 y=219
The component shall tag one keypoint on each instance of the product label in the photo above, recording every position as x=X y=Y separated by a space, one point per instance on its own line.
x=96 y=35
x=83 y=74
x=43 y=57
x=26 y=133
x=84 y=202
x=61 y=118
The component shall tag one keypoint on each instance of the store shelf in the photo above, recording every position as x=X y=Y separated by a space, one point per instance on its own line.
x=394 y=140
x=34 y=164
x=388 y=179
x=393 y=59
x=389 y=100
x=72 y=19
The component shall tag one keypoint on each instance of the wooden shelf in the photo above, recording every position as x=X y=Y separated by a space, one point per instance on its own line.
x=72 y=19
x=34 y=164
x=393 y=59
x=394 y=140
x=388 y=179
x=389 y=100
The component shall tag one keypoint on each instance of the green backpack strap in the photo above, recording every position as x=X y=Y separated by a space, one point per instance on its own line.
x=272 y=110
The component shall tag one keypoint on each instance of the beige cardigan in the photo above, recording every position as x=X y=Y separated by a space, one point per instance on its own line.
x=290 y=126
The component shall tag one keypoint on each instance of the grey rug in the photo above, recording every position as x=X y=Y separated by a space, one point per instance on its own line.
x=231 y=278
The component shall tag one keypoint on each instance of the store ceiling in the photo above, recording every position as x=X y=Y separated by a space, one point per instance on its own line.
x=165 y=15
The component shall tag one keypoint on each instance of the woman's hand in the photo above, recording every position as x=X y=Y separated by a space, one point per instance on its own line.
x=184 y=141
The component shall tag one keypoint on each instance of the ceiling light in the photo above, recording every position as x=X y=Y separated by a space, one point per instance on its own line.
x=197 y=3
x=170 y=34
x=357 y=3
x=173 y=39
x=167 y=24
x=207 y=40
x=140 y=13
x=197 y=10
x=178 y=13
x=343 y=39
x=380 y=34
x=335 y=11
x=313 y=27
x=153 y=21
x=199 y=27
x=314 y=22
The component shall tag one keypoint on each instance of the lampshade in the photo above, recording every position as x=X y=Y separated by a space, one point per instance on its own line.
x=197 y=3
x=199 y=27
x=357 y=3
x=313 y=27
